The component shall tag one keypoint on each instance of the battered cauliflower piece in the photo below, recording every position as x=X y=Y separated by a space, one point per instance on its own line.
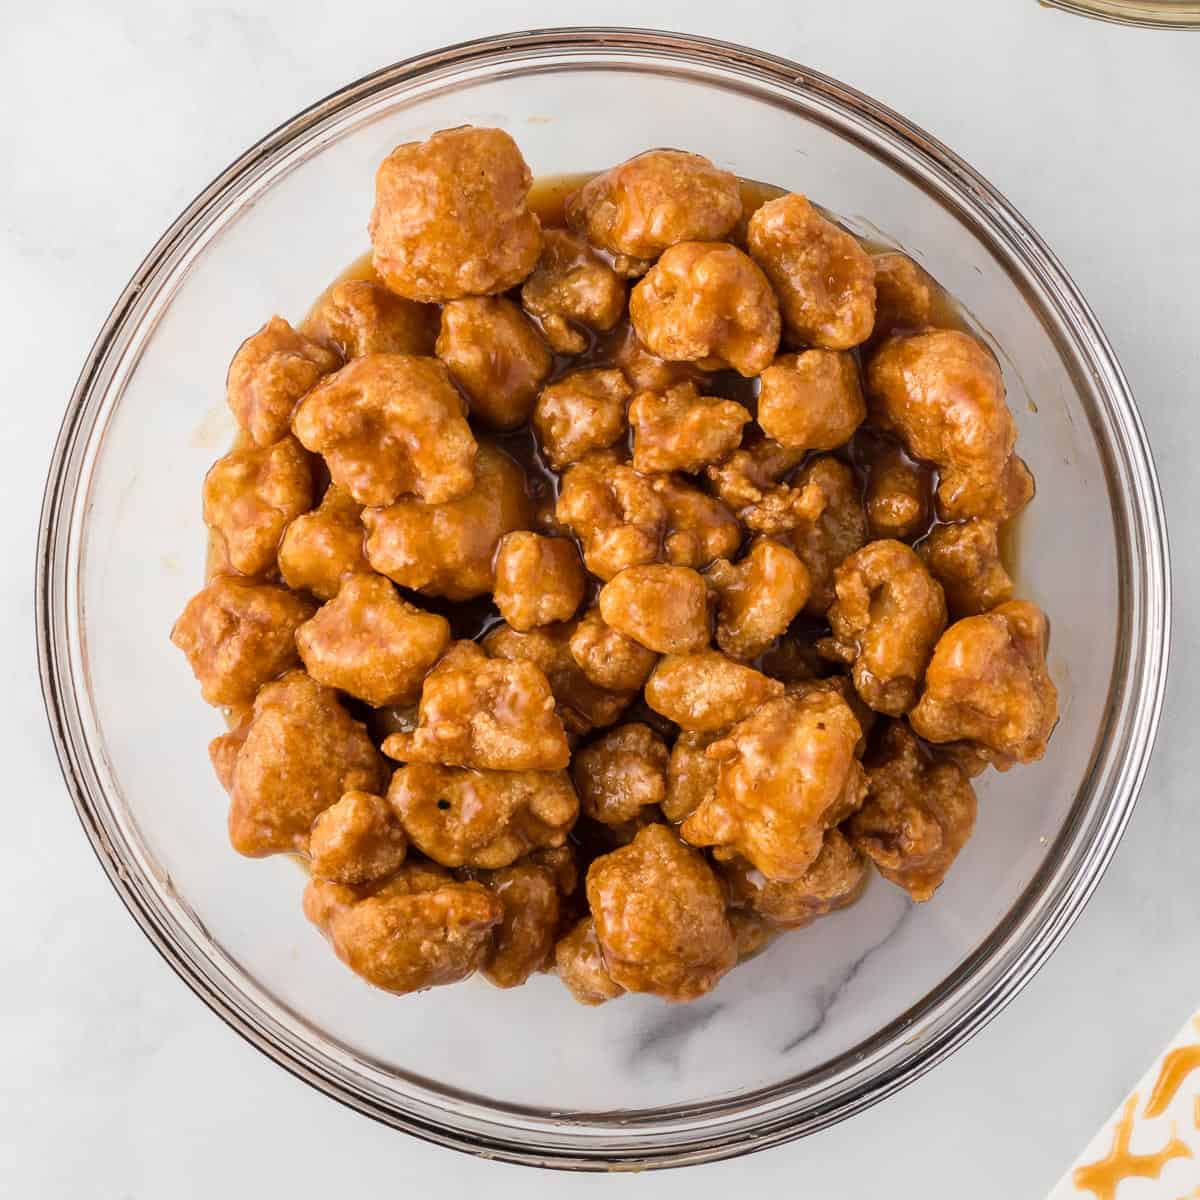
x=524 y=940
x=698 y=527
x=904 y=295
x=707 y=691
x=320 y=548
x=987 y=683
x=787 y=772
x=371 y=643
x=681 y=430
x=482 y=712
x=887 y=617
x=621 y=774
x=941 y=393
x=272 y=370
x=835 y=880
x=749 y=483
x=572 y=290
x=390 y=425
x=356 y=841
x=691 y=775
x=664 y=608
x=656 y=200
x=495 y=353
x=451 y=217
x=417 y=930
x=840 y=529
x=582 y=704
x=965 y=560
x=250 y=496
x=360 y=317
x=448 y=549
x=647 y=372
x=751 y=933
x=812 y=400
x=238 y=635
x=467 y=818
x=899 y=496
x=581 y=412
x=918 y=814
x=708 y=303
x=659 y=915
x=609 y=658
x=298 y=754
x=579 y=963
x=757 y=598
x=824 y=279
x=617 y=515
x=539 y=580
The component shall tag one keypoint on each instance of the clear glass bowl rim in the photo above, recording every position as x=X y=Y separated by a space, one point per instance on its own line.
x=1149 y=14
x=917 y=1040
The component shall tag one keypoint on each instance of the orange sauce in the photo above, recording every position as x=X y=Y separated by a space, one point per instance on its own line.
x=1105 y=1175
x=1176 y=1067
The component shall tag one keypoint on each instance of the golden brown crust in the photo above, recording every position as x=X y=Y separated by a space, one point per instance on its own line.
x=681 y=430
x=523 y=942
x=662 y=607
x=320 y=548
x=539 y=580
x=572 y=290
x=965 y=560
x=357 y=840
x=758 y=597
x=360 y=317
x=581 y=412
x=451 y=217
x=706 y=690
x=812 y=400
x=621 y=773
x=580 y=965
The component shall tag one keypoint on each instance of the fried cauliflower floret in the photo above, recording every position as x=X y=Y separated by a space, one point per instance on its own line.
x=749 y=483
x=579 y=963
x=451 y=217
x=608 y=657
x=300 y=753
x=987 y=683
x=904 y=295
x=708 y=303
x=699 y=528
x=390 y=425
x=539 y=580
x=647 y=372
x=524 y=940
x=620 y=774
x=250 y=496
x=824 y=279
x=495 y=353
x=356 y=840
x=238 y=635
x=662 y=607
x=681 y=430
x=887 y=617
x=416 y=930
x=707 y=691
x=448 y=549
x=941 y=393
x=272 y=370
x=470 y=818
x=758 y=597
x=691 y=775
x=918 y=814
x=965 y=560
x=786 y=772
x=615 y=512
x=582 y=704
x=812 y=400
x=494 y=714
x=371 y=643
x=834 y=880
x=654 y=201
x=572 y=290
x=899 y=496
x=320 y=548
x=840 y=529
x=360 y=317
x=581 y=412
x=659 y=915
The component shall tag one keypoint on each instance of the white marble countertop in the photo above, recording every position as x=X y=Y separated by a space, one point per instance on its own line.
x=117 y=1082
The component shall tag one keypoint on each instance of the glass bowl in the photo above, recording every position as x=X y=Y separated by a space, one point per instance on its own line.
x=1154 y=14
x=831 y=1019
